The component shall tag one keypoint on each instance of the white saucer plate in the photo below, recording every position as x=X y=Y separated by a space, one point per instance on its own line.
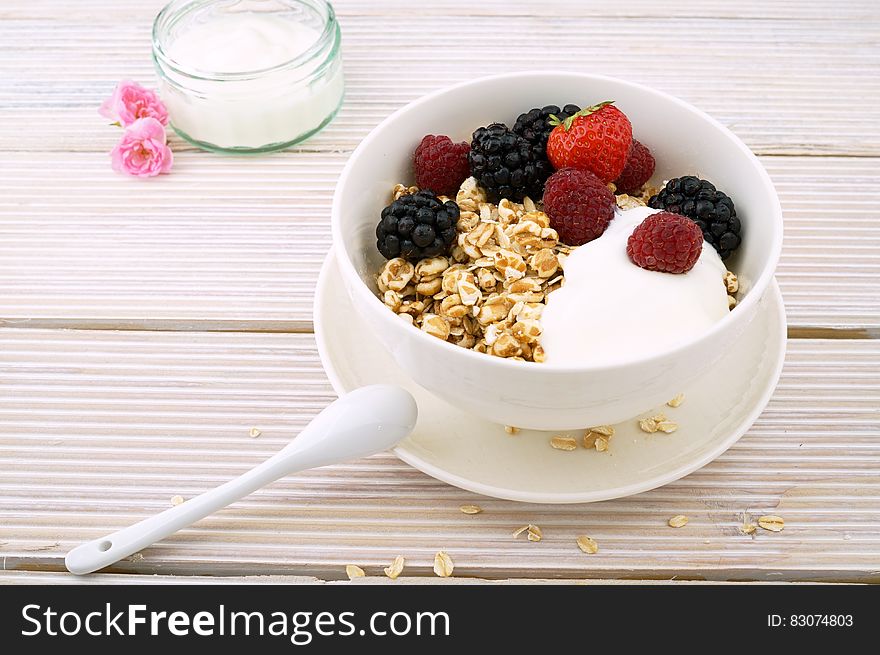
x=473 y=454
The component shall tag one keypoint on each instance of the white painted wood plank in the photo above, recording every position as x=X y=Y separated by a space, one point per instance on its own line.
x=99 y=429
x=237 y=243
x=776 y=10
x=796 y=86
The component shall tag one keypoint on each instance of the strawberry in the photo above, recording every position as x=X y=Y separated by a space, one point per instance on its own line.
x=596 y=139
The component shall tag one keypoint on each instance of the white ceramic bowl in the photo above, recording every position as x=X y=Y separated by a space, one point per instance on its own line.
x=684 y=141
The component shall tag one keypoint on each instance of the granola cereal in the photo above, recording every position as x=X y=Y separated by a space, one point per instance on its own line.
x=488 y=295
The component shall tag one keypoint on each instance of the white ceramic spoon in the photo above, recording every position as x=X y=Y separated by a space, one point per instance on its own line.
x=365 y=421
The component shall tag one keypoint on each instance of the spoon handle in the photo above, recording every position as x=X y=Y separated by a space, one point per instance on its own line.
x=101 y=552
x=366 y=421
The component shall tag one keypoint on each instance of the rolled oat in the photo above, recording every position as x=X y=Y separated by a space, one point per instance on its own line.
x=677 y=401
x=353 y=572
x=678 y=521
x=772 y=523
x=396 y=567
x=563 y=443
x=470 y=509
x=443 y=565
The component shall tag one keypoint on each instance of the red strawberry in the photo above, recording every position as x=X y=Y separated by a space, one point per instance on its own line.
x=596 y=139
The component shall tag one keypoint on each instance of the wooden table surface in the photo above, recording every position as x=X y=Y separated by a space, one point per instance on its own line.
x=146 y=326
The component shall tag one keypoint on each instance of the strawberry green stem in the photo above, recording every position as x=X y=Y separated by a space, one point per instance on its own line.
x=586 y=111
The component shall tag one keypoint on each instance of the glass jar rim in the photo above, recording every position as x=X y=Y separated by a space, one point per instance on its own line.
x=176 y=8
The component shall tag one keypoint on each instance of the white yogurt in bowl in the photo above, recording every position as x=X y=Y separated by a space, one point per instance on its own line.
x=611 y=311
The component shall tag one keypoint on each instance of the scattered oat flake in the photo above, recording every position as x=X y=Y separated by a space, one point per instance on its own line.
x=470 y=509
x=678 y=400
x=601 y=444
x=748 y=528
x=678 y=521
x=587 y=544
x=353 y=572
x=509 y=429
x=564 y=443
x=396 y=567
x=177 y=500
x=604 y=430
x=255 y=432
x=772 y=523
x=667 y=427
x=443 y=565
x=648 y=425
x=533 y=532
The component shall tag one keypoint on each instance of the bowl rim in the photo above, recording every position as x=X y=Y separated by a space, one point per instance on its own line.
x=365 y=294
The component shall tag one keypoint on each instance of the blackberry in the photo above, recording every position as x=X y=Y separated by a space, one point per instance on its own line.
x=712 y=210
x=503 y=164
x=416 y=226
x=534 y=126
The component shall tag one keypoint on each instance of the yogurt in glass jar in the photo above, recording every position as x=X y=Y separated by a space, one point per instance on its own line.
x=248 y=75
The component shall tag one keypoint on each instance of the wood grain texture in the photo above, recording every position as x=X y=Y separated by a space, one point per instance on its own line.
x=816 y=10
x=100 y=429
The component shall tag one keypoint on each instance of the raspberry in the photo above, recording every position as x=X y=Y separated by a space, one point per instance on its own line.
x=665 y=242
x=638 y=170
x=441 y=165
x=578 y=204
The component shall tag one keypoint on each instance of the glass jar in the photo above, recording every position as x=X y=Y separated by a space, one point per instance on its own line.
x=248 y=75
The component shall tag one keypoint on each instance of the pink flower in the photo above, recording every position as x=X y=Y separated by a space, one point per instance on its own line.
x=130 y=101
x=142 y=150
